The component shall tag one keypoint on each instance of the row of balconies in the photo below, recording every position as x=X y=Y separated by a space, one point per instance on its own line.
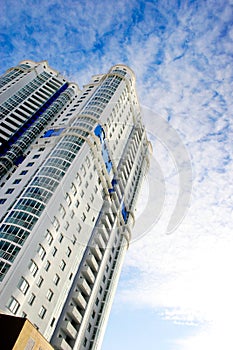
x=80 y=299
x=126 y=165
x=70 y=331
x=105 y=296
x=83 y=290
x=75 y=310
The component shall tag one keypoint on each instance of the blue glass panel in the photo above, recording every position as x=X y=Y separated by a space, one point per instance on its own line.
x=99 y=131
x=53 y=132
x=124 y=213
x=48 y=133
x=106 y=158
x=114 y=182
x=19 y=160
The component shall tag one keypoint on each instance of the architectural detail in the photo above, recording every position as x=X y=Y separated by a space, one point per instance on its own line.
x=71 y=167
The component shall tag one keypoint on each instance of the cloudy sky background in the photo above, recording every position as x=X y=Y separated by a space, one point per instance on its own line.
x=176 y=289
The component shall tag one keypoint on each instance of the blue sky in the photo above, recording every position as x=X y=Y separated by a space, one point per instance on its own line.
x=176 y=290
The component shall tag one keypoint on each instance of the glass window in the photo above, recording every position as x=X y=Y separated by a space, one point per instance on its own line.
x=40 y=281
x=83 y=170
x=54 y=251
x=23 y=286
x=62 y=265
x=60 y=238
x=33 y=268
x=10 y=190
x=56 y=279
x=79 y=181
x=73 y=189
x=88 y=162
x=36 y=156
x=49 y=295
x=49 y=237
x=47 y=265
x=17 y=181
x=42 y=312
x=52 y=322
x=31 y=299
x=68 y=199
x=2 y=200
x=41 y=252
x=24 y=172
x=30 y=164
x=13 y=305
x=68 y=251
x=56 y=223
x=85 y=341
x=62 y=210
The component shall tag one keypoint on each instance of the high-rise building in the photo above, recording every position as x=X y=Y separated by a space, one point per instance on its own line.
x=71 y=166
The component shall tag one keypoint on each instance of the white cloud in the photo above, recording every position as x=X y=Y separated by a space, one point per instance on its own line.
x=187 y=276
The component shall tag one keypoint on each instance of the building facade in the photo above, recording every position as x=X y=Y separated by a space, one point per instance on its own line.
x=71 y=166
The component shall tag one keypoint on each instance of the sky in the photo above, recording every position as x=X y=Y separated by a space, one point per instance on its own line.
x=175 y=291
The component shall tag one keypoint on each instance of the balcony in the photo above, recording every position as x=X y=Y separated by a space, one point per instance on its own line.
x=104 y=232
x=118 y=191
x=82 y=284
x=111 y=218
x=100 y=241
x=92 y=262
x=88 y=274
x=96 y=251
x=61 y=344
x=69 y=329
x=106 y=221
x=116 y=202
x=74 y=314
x=79 y=300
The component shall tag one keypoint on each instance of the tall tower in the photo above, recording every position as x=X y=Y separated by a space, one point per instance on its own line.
x=72 y=163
